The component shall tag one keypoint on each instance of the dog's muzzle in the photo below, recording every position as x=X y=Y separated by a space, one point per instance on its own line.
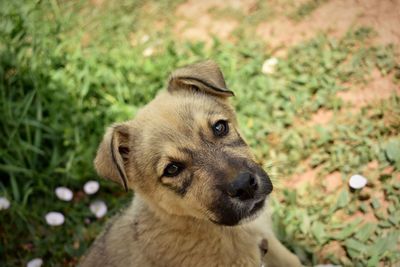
x=243 y=197
x=245 y=187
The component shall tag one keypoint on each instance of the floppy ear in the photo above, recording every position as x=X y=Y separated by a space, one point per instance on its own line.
x=113 y=153
x=203 y=76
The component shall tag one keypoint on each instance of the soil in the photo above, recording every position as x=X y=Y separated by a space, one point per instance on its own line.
x=195 y=20
x=196 y=23
x=321 y=117
x=377 y=88
x=336 y=17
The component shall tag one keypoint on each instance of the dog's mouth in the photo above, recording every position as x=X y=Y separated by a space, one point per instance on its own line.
x=231 y=213
x=258 y=205
x=251 y=210
x=242 y=199
x=239 y=215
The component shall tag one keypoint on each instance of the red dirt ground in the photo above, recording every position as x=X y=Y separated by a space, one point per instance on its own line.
x=336 y=17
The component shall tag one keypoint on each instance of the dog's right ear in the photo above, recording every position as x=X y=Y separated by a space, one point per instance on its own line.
x=204 y=76
x=113 y=154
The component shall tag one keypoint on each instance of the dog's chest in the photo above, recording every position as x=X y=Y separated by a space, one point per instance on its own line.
x=173 y=247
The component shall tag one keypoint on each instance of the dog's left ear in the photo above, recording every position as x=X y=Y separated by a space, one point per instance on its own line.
x=113 y=154
x=203 y=76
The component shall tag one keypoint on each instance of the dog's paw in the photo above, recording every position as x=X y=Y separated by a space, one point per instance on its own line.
x=263 y=247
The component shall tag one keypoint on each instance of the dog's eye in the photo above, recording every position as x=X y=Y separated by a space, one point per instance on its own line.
x=173 y=169
x=220 y=128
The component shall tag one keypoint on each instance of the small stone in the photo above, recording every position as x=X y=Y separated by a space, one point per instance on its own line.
x=98 y=208
x=357 y=181
x=269 y=65
x=91 y=187
x=35 y=263
x=64 y=193
x=4 y=203
x=54 y=218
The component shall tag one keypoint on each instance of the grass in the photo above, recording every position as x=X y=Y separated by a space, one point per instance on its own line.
x=305 y=9
x=69 y=69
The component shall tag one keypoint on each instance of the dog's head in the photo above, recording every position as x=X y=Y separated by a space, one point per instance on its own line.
x=184 y=154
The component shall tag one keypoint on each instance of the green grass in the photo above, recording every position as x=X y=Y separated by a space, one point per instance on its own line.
x=305 y=9
x=69 y=69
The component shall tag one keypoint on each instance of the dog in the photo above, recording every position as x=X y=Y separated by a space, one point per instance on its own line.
x=200 y=197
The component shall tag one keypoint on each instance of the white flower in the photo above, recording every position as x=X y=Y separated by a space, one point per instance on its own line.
x=64 y=193
x=144 y=38
x=268 y=66
x=35 y=263
x=91 y=187
x=357 y=181
x=98 y=208
x=54 y=218
x=4 y=203
x=148 y=52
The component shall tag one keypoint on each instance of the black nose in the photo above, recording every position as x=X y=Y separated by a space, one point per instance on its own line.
x=243 y=187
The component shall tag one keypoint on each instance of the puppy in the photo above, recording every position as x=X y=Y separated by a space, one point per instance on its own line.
x=200 y=197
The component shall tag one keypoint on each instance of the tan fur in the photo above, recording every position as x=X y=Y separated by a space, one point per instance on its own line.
x=175 y=221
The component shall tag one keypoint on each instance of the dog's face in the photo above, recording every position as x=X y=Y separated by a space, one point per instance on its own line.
x=183 y=152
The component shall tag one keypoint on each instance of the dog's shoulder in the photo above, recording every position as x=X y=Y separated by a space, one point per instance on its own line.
x=116 y=245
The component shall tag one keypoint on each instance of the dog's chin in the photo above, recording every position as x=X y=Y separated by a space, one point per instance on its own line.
x=240 y=214
x=254 y=212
